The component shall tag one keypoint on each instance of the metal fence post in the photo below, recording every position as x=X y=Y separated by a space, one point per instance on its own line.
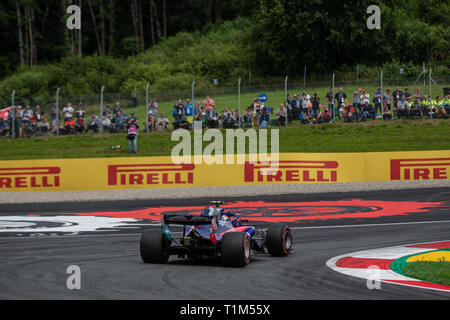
x=431 y=98
x=334 y=111
x=101 y=109
x=193 y=100
x=13 y=110
x=146 y=106
x=285 y=99
x=381 y=99
x=239 y=102
x=57 y=110
x=381 y=80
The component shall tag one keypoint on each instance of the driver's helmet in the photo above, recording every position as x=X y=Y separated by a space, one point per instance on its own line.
x=208 y=212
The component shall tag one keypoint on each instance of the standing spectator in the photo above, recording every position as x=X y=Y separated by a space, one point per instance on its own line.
x=81 y=111
x=26 y=117
x=330 y=100
x=365 y=98
x=357 y=100
x=189 y=111
x=18 y=122
x=68 y=112
x=306 y=101
x=407 y=95
x=178 y=111
x=209 y=106
x=341 y=97
x=397 y=95
x=296 y=107
x=315 y=106
x=154 y=108
x=39 y=116
x=133 y=130
x=377 y=99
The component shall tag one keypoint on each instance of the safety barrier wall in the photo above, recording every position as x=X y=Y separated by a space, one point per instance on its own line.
x=160 y=172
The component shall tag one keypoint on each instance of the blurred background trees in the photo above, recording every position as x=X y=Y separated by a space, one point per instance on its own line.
x=166 y=42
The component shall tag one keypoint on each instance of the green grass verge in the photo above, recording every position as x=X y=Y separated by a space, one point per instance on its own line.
x=374 y=136
x=434 y=272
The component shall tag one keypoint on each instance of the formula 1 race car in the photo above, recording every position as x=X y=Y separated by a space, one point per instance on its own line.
x=215 y=233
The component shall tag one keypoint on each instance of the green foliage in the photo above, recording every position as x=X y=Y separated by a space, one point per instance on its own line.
x=327 y=35
x=280 y=37
x=219 y=53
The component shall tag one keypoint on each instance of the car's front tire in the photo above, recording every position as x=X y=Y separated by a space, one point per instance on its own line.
x=279 y=240
x=236 y=249
x=153 y=245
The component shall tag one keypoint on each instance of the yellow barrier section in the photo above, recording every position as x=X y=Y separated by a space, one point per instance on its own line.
x=160 y=172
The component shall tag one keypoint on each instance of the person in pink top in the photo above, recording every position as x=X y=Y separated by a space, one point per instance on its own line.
x=209 y=106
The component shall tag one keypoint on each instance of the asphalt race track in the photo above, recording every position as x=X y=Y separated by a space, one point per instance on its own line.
x=39 y=242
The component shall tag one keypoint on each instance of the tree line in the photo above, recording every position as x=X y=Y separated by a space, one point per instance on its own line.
x=34 y=31
x=281 y=38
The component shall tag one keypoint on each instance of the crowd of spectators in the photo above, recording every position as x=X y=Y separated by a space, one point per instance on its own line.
x=306 y=109
x=383 y=105
x=74 y=121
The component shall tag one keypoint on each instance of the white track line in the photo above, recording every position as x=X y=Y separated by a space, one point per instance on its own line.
x=371 y=225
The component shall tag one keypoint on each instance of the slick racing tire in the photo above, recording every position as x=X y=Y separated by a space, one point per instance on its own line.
x=279 y=240
x=153 y=244
x=236 y=249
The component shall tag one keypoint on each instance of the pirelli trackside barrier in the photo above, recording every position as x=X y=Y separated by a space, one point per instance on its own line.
x=160 y=172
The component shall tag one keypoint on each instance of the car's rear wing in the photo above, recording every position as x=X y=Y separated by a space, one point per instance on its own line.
x=186 y=220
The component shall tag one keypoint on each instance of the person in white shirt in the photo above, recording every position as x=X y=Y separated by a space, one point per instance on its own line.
x=306 y=102
x=365 y=97
x=68 y=112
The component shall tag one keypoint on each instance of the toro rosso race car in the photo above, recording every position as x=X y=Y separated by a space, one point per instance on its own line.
x=215 y=233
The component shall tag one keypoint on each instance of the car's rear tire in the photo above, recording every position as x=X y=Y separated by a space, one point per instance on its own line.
x=153 y=245
x=279 y=240
x=236 y=249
